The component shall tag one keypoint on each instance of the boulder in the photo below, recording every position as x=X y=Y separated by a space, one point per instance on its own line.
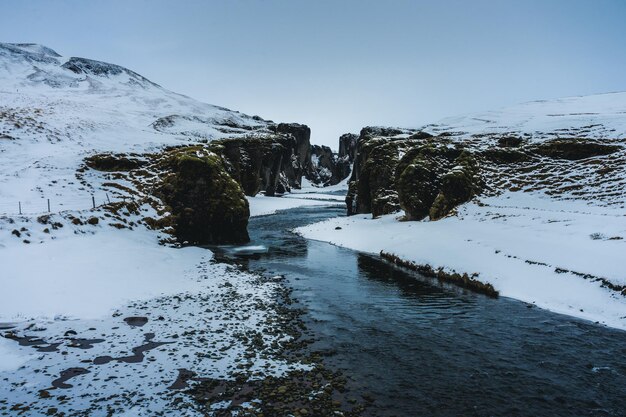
x=207 y=205
x=458 y=186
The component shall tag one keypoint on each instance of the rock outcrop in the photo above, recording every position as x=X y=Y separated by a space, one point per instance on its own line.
x=207 y=205
x=327 y=167
x=301 y=152
x=195 y=199
x=372 y=187
x=272 y=163
x=330 y=168
x=347 y=146
x=265 y=163
x=429 y=176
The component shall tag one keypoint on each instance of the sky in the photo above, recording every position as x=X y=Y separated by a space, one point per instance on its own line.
x=340 y=65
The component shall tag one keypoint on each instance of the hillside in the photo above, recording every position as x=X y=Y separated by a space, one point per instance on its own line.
x=105 y=180
x=55 y=111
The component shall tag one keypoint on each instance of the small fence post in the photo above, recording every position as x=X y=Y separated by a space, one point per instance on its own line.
x=108 y=199
x=93 y=201
x=20 y=205
x=48 y=205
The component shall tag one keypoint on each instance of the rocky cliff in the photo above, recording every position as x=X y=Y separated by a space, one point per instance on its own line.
x=430 y=174
x=330 y=168
x=269 y=163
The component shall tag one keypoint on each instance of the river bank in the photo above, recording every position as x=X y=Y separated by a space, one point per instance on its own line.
x=560 y=256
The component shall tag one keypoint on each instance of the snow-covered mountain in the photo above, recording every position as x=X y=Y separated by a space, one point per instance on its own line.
x=600 y=116
x=56 y=110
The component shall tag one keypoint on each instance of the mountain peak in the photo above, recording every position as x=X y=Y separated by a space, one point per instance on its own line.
x=43 y=65
x=35 y=48
x=102 y=69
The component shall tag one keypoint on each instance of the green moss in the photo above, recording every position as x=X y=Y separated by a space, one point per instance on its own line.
x=113 y=162
x=207 y=204
x=458 y=186
x=376 y=185
x=574 y=149
x=419 y=178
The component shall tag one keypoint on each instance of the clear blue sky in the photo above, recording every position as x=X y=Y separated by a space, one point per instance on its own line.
x=340 y=65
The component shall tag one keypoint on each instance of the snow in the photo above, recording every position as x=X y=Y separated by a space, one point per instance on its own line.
x=12 y=357
x=87 y=276
x=517 y=242
x=599 y=116
x=52 y=118
x=202 y=333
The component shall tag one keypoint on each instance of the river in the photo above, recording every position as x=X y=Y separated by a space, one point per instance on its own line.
x=416 y=347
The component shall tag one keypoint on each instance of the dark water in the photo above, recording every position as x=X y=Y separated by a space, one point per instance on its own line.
x=418 y=348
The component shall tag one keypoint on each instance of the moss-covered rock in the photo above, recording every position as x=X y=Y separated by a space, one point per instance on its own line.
x=419 y=177
x=376 y=187
x=206 y=203
x=113 y=162
x=458 y=186
x=573 y=149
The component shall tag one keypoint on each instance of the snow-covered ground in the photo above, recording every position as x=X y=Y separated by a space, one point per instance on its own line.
x=86 y=276
x=67 y=287
x=130 y=361
x=598 y=116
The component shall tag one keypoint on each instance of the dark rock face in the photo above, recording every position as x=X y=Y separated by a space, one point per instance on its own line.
x=301 y=152
x=347 y=146
x=266 y=163
x=412 y=171
x=272 y=163
x=372 y=187
x=207 y=204
x=327 y=167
